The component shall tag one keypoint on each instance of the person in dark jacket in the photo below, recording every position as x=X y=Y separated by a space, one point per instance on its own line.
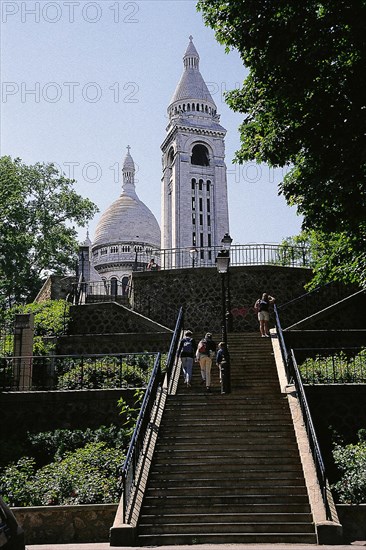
x=262 y=308
x=221 y=355
x=186 y=351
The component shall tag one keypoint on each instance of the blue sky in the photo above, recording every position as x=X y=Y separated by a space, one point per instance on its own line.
x=81 y=80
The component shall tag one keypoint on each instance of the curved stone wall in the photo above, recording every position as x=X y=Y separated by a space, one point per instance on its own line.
x=199 y=291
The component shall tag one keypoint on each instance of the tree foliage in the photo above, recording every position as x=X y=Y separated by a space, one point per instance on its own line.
x=303 y=103
x=334 y=257
x=39 y=210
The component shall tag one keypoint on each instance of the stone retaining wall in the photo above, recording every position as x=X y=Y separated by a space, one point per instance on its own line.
x=80 y=344
x=199 y=291
x=353 y=520
x=66 y=524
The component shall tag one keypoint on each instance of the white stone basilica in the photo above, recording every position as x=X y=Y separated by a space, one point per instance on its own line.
x=194 y=192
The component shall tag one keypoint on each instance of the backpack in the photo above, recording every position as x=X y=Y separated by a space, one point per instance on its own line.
x=187 y=347
x=202 y=346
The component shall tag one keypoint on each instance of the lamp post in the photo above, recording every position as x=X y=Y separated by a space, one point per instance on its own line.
x=193 y=254
x=222 y=264
x=226 y=244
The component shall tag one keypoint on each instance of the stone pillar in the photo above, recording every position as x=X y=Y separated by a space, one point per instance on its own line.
x=23 y=351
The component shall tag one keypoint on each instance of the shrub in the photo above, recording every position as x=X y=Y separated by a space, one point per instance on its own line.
x=106 y=372
x=351 y=460
x=88 y=475
x=47 y=446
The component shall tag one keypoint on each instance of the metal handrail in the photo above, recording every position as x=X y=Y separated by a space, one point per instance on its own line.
x=310 y=430
x=293 y=374
x=129 y=469
x=174 y=345
x=283 y=348
x=137 y=440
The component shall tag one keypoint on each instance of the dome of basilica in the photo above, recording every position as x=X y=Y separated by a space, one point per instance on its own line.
x=127 y=233
x=127 y=219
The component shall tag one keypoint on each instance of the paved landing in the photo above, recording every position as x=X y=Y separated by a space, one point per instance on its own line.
x=359 y=545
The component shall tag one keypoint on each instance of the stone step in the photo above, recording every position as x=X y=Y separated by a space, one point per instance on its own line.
x=237 y=489
x=214 y=404
x=214 y=424
x=226 y=479
x=217 y=526
x=232 y=455
x=155 y=508
x=170 y=501
x=176 y=473
x=186 y=416
x=226 y=538
x=225 y=518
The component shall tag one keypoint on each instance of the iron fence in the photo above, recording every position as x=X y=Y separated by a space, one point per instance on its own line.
x=70 y=372
x=240 y=255
x=332 y=365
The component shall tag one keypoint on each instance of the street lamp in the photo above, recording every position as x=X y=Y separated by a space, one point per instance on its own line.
x=226 y=244
x=222 y=264
x=193 y=254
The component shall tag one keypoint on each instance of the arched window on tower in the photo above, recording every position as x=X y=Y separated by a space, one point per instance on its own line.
x=200 y=155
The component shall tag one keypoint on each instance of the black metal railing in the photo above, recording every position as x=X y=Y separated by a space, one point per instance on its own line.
x=312 y=438
x=346 y=365
x=283 y=347
x=172 y=354
x=137 y=441
x=313 y=301
x=293 y=376
x=71 y=372
x=129 y=470
x=240 y=255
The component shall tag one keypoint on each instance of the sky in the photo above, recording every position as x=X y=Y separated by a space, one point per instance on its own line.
x=81 y=80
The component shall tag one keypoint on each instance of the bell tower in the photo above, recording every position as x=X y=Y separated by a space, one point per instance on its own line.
x=194 y=186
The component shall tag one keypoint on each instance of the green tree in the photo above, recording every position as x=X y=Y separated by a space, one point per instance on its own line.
x=304 y=106
x=39 y=210
x=334 y=257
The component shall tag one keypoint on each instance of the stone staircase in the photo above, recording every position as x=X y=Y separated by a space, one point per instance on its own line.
x=226 y=468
